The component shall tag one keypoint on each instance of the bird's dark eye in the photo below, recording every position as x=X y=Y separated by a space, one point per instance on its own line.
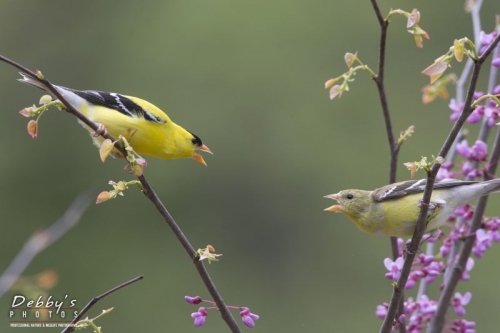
x=349 y=196
x=196 y=141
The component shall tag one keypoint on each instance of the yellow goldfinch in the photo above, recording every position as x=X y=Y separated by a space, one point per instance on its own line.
x=147 y=128
x=393 y=210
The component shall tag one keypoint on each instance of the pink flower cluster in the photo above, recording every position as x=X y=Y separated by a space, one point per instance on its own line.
x=420 y=312
x=428 y=268
x=200 y=316
x=489 y=111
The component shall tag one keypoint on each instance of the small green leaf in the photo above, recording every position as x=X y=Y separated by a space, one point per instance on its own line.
x=435 y=70
x=45 y=99
x=106 y=148
x=349 y=59
x=458 y=50
x=39 y=75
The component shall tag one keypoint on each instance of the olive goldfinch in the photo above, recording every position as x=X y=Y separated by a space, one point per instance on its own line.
x=393 y=210
x=148 y=129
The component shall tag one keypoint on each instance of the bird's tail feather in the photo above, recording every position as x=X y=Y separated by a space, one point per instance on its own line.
x=29 y=80
x=493 y=185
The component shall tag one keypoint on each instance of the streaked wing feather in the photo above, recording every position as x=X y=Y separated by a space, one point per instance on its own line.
x=398 y=190
x=117 y=102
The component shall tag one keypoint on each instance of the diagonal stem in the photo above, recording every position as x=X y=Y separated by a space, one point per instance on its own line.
x=43 y=239
x=437 y=323
x=70 y=328
x=151 y=195
x=413 y=247
x=202 y=271
x=393 y=146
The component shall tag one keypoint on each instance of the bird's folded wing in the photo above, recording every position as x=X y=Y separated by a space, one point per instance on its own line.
x=116 y=102
x=398 y=190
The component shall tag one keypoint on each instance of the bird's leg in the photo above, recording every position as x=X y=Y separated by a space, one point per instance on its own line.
x=101 y=130
x=434 y=208
x=130 y=133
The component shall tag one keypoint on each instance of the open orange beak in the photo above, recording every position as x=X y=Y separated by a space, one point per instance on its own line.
x=334 y=208
x=198 y=157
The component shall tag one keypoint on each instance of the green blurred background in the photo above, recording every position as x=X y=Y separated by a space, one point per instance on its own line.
x=248 y=78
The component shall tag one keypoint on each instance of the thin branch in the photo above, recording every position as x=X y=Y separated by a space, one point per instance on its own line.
x=151 y=195
x=379 y=80
x=485 y=128
x=40 y=240
x=71 y=326
x=69 y=108
x=476 y=27
x=492 y=79
x=376 y=8
x=413 y=247
x=437 y=323
x=212 y=289
x=393 y=146
x=476 y=22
